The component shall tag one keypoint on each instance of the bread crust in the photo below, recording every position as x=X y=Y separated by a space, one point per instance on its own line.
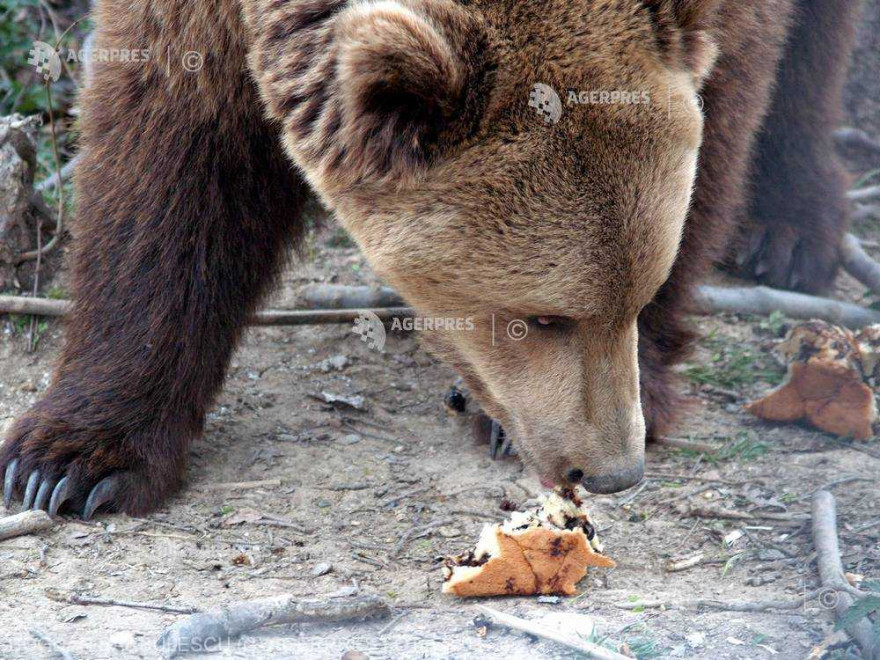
x=536 y=561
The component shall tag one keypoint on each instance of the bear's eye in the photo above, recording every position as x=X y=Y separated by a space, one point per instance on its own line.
x=551 y=322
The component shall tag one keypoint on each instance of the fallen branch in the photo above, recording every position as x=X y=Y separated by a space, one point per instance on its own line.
x=531 y=628
x=859 y=264
x=855 y=137
x=46 y=307
x=208 y=630
x=763 y=301
x=26 y=522
x=831 y=570
x=341 y=296
x=760 y=300
x=864 y=194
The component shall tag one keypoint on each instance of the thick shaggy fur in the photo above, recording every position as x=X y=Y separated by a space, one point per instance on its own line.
x=410 y=120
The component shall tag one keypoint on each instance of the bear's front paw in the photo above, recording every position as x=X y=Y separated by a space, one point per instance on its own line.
x=53 y=465
x=785 y=258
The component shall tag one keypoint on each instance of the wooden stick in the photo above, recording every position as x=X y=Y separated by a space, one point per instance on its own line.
x=26 y=522
x=341 y=296
x=530 y=628
x=763 y=301
x=208 y=630
x=79 y=599
x=831 y=570
x=46 y=307
x=859 y=264
x=59 y=652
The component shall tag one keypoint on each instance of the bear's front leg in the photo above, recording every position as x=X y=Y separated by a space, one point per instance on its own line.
x=186 y=206
x=799 y=212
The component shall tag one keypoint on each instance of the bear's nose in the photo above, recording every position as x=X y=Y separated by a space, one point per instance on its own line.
x=614 y=482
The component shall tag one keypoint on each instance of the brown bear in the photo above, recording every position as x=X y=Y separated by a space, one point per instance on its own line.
x=414 y=121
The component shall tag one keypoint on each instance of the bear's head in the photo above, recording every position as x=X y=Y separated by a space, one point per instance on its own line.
x=525 y=165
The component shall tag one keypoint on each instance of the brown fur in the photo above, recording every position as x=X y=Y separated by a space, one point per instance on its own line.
x=410 y=119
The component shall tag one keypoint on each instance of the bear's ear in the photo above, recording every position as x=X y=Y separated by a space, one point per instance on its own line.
x=374 y=91
x=684 y=32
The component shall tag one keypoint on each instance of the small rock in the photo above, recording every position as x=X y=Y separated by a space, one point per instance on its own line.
x=448 y=532
x=695 y=639
x=549 y=600
x=335 y=363
x=350 y=439
x=321 y=569
x=122 y=639
x=354 y=655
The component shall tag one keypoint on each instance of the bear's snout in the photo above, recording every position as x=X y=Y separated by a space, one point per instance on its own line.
x=614 y=482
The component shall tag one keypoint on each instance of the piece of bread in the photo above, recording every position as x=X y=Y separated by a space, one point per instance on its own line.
x=826 y=383
x=545 y=550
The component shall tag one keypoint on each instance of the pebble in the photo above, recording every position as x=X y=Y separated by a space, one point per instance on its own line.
x=321 y=569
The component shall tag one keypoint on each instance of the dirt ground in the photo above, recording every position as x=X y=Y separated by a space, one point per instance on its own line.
x=368 y=500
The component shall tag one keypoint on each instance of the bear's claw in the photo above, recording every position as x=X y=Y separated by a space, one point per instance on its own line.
x=9 y=482
x=500 y=444
x=38 y=494
x=30 y=490
x=101 y=494
x=59 y=496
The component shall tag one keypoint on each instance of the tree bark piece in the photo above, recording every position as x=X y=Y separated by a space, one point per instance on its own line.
x=26 y=522
x=532 y=628
x=206 y=631
x=831 y=570
x=763 y=301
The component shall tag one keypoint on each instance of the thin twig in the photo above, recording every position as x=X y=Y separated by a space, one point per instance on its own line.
x=531 y=628
x=59 y=223
x=46 y=307
x=735 y=606
x=59 y=651
x=79 y=599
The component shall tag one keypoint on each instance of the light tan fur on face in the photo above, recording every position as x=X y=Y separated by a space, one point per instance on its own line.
x=518 y=218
